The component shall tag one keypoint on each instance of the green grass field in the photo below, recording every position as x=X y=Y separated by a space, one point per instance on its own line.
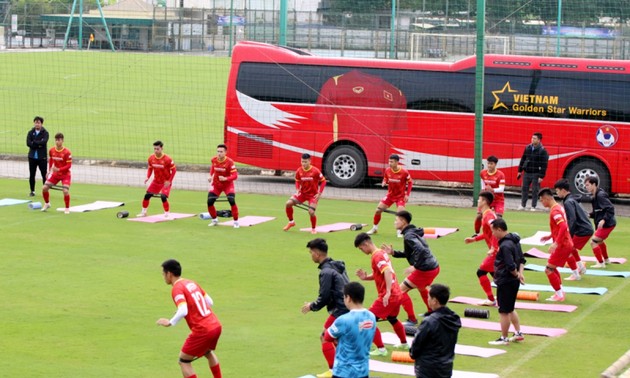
x=82 y=292
x=113 y=106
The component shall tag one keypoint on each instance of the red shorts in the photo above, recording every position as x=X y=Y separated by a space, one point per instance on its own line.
x=302 y=198
x=382 y=312
x=387 y=201
x=199 y=343
x=156 y=188
x=603 y=233
x=423 y=278
x=55 y=177
x=487 y=264
x=580 y=241
x=560 y=255
x=222 y=188
x=499 y=207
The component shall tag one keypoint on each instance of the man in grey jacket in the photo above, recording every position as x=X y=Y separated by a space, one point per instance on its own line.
x=534 y=164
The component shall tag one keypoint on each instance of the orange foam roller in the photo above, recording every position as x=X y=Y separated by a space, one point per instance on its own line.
x=429 y=231
x=527 y=295
x=402 y=357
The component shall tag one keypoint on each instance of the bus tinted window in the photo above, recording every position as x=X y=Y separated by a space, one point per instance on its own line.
x=518 y=92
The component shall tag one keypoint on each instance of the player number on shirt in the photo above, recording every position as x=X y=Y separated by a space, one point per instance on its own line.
x=200 y=301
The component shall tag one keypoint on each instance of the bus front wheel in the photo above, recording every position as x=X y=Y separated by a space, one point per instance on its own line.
x=345 y=167
x=583 y=169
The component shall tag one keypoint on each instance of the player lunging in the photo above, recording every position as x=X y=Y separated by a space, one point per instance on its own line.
x=163 y=169
x=399 y=185
x=309 y=183
x=222 y=176
x=59 y=164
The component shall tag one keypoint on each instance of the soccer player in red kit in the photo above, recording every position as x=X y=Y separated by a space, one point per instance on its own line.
x=387 y=305
x=562 y=246
x=310 y=183
x=487 y=265
x=163 y=169
x=222 y=176
x=59 y=164
x=493 y=181
x=399 y=184
x=194 y=305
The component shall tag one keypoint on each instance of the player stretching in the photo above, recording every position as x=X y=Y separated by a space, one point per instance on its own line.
x=486 y=199
x=562 y=246
x=399 y=186
x=59 y=164
x=423 y=266
x=222 y=176
x=493 y=181
x=310 y=184
x=604 y=217
x=163 y=169
x=387 y=305
x=194 y=305
x=580 y=227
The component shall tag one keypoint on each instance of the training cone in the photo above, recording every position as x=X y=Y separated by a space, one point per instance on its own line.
x=398 y=356
x=527 y=295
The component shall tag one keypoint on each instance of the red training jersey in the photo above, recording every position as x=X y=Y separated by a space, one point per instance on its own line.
x=397 y=182
x=309 y=180
x=381 y=263
x=486 y=230
x=200 y=316
x=62 y=159
x=495 y=181
x=225 y=168
x=163 y=168
x=558 y=222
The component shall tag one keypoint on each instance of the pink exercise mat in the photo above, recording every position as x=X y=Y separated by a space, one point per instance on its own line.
x=248 y=220
x=465 y=350
x=408 y=370
x=534 y=252
x=439 y=232
x=160 y=218
x=521 y=305
x=495 y=326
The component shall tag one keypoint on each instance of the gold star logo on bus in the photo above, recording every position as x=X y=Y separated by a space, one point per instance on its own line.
x=497 y=100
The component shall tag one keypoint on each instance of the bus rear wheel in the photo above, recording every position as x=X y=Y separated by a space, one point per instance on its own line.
x=583 y=169
x=345 y=167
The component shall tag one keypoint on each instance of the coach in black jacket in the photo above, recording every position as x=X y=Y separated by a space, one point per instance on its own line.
x=332 y=279
x=36 y=140
x=433 y=347
x=534 y=164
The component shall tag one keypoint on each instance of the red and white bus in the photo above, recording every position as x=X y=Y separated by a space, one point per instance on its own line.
x=351 y=114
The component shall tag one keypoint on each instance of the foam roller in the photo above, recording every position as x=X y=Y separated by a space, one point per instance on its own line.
x=527 y=295
x=356 y=227
x=398 y=356
x=476 y=313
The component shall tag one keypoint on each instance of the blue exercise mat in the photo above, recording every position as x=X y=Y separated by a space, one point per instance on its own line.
x=566 y=289
x=589 y=272
x=12 y=201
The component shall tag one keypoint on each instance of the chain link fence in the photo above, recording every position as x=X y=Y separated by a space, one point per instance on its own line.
x=417 y=34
